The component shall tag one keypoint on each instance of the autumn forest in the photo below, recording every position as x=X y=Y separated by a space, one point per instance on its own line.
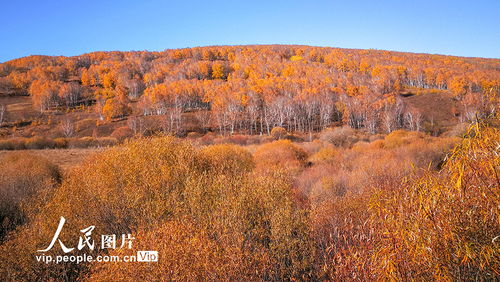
x=252 y=162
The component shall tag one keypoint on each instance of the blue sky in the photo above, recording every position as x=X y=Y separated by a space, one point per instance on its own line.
x=462 y=28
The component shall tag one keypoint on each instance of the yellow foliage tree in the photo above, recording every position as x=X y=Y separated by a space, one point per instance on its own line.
x=218 y=71
x=114 y=108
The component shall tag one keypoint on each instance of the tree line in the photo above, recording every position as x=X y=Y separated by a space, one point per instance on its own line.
x=255 y=88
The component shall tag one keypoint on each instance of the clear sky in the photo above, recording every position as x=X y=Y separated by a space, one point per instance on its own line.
x=48 y=27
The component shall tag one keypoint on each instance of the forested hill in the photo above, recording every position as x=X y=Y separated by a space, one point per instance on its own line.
x=254 y=88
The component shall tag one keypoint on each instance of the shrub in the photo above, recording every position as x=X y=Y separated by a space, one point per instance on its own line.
x=325 y=154
x=458 y=130
x=22 y=176
x=343 y=238
x=441 y=226
x=233 y=139
x=122 y=133
x=208 y=138
x=309 y=178
x=375 y=137
x=334 y=185
x=6 y=145
x=239 y=139
x=88 y=142
x=278 y=133
x=85 y=124
x=105 y=141
x=248 y=226
x=39 y=143
x=194 y=135
x=12 y=144
x=254 y=139
x=282 y=153
x=122 y=188
x=294 y=138
x=430 y=226
x=186 y=254
x=257 y=219
x=226 y=158
x=401 y=137
x=342 y=136
x=84 y=142
x=244 y=236
x=312 y=147
x=61 y=143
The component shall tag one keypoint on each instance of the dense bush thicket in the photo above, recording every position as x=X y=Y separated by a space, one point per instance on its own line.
x=443 y=226
x=403 y=207
x=409 y=222
x=25 y=179
x=154 y=184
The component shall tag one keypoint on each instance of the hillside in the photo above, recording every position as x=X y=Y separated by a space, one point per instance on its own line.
x=250 y=163
x=242 y=89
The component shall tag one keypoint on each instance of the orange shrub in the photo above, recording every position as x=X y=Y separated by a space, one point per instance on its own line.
x=115 y=191
x=400 y=138
x=85 y=124
x=278 y=133
x=312 y=147
x=343 y=238
x=226 y=158
x=106 y=141
x=432 y=226
x=250 y=223
x=458 y=130
x=61 y=143
x=282 y=153
x=186 y=253
x=22 y=177
x=442 y=226
x=325 y=154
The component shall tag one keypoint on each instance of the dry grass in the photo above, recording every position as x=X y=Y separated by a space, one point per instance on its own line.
x=64 y=158
x=436 y=106
x=19 y=107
